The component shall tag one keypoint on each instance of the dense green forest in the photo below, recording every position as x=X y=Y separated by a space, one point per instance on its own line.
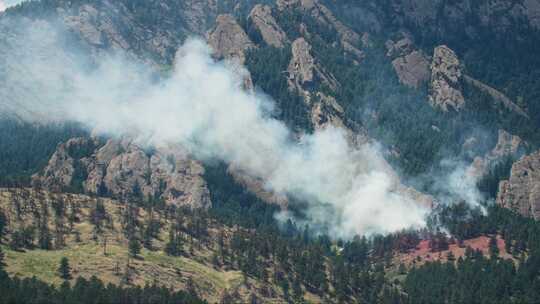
x=286 y=254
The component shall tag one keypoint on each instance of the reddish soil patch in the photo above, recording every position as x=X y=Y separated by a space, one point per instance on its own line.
x=424 y=252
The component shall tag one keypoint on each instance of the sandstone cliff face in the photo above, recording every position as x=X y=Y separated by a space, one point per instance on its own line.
x=122 y=169
x=410 y=64
x=522 y=191
x=446 y=77
x=228 y=39
x=265 y=23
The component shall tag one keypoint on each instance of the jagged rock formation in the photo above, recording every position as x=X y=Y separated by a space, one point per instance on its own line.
x=350 y=40
x=507 y=145
x=446 y=77
x=410 y=64
x=265 y=23
x=304 y=72
x=228 y=39
x=122 y=169
x=522 y=191
x=102 y=26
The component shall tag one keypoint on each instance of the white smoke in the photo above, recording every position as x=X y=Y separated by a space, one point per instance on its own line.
x=7 y=3
x=203 y=107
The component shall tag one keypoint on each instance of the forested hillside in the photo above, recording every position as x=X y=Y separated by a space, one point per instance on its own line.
x=432 y=106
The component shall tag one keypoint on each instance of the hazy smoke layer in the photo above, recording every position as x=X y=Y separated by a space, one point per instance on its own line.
x=7 y=3
x=202 y=106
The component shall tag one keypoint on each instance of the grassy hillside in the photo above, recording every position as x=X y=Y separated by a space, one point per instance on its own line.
x=106 y=256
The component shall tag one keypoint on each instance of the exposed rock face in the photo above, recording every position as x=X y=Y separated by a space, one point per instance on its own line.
x=103 y=25
x=271 y=32
x=411 y=65
x=60 y=169
x=303 y=70
x=446 y=80
x=350 y=40
x=124 y=170
x=522 y=191
x=507 y=145
x=228 y=39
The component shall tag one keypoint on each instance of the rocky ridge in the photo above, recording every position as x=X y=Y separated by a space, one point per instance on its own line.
x=446 y=76
x=122 y=169
x=266 y=24
x=410 y=64
x=521 y=192
x=228 y=39
x=349 y=39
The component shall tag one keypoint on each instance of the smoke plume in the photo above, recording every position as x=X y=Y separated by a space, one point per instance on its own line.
x=202 y=106
x=7 y=3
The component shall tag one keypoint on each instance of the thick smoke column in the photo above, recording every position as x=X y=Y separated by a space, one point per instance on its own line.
x=203 y=107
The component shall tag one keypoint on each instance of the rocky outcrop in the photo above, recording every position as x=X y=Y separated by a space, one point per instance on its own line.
x=261 y=17
x=508 y=145
x=446 y=77
x=522 y=191
x=228 y=39
x=411 y=65
x=304 y=72
x=349 y=39
x=122 y=169
x=60 y=170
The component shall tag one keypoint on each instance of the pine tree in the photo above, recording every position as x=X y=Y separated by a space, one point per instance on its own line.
x=134 y=247
x=174 y=245
x=3 y=224
x=64 y=271
x=493 y=247
x=44 y=237
x=2 y=256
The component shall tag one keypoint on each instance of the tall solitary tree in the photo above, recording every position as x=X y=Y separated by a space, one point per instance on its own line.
x=3 y=224
x=2 y=265
x=134 y=247
x=64 y=270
